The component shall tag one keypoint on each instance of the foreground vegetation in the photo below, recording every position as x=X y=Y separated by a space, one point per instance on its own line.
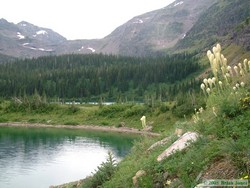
x=221 y=152
x=219 y=113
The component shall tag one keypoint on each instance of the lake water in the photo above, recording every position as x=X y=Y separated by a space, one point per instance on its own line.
x=40 y=157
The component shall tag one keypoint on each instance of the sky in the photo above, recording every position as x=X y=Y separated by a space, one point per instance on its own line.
x=78 y=19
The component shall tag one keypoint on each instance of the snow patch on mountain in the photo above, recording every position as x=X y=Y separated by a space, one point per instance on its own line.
x=80 y=49
x=25 y=45
x=42 y=32
x=179 y=3
x=20 y=36
x=91 y=49
x=23 y=24
x=138 y=21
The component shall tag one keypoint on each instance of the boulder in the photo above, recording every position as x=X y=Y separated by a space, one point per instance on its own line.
x=138 y=174
x=179 y=144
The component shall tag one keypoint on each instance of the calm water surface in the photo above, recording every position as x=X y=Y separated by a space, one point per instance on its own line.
x=40 y=157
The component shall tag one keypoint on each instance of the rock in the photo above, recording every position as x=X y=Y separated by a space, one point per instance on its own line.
x=148 y=128
x=122 y=124
x=138 y=174
x=158 y=185
x=165 y=175
x=179 y=144
x=161 y=142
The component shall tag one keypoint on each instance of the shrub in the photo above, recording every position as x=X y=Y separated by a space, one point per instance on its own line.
x=103 y=173
x=136 y=110
x=72 y=109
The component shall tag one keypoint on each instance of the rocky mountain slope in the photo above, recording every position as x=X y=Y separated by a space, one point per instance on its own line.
x=225 y=22
x=181 y=26
x=27 y=40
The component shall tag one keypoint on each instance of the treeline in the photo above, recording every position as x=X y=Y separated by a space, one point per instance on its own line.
x=94 y=75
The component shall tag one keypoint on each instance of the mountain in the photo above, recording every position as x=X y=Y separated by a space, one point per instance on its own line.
x=27 y=40
x=184 y=25
x=147 y=33
x=156 y=30
x=226 y=21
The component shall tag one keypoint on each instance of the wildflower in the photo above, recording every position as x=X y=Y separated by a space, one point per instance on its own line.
x=242 y=84
x=214 y=80
x=208 y=91
x=225 y=76
x=203 y=86
x=245 y=65
x=237 y=85
x=201 y=109
x=242 y=72
x=209 y=53
x=223 y=70
x=143 y=121
x=245 y=177
x=168 y=182
x=214 y=50
x=234 y=88
x=214 y=111
x=224 y=60
x=205 y=82
x=220 y=84
x=210 y=82
x=236 y=70
x=218 y=47
x=240 y=65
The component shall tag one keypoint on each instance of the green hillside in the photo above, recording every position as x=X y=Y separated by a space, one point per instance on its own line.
x=225 y=21
x=221 y=151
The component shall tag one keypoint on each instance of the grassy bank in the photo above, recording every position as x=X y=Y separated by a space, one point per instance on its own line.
x=117 y=115
x=221 y=151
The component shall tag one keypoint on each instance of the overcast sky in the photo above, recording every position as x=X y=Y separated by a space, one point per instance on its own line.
x=78 y=19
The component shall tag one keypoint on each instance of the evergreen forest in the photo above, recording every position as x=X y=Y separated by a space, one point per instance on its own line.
x=97 y=76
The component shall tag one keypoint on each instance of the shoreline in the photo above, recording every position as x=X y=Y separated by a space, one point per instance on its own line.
x=125 y=130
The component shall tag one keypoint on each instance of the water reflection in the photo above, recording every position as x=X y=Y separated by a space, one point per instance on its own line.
x=32 y=157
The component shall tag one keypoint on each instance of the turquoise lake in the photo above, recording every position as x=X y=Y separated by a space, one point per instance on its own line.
x=41 y=157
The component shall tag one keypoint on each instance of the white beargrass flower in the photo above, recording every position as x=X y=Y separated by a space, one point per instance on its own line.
x=226 y=78
x=209 y=53
x=237 y=85
x=205 y=82
x=240 y=65
x=208 y=90
x=201 y=109
x=210 y=82
x=214 y=50
x=242 y=84
x=224 y=62
x=234 y=88
x=220 y=84
x=213 y=80
x=223 y=70
x=245 y=65
x=214 y=111
x=203 y=86
x=236 y=70
x=229 y=68
x=218 y=47
x=242 y=72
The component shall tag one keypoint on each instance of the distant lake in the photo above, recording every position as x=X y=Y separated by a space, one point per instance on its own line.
x=40 y=157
